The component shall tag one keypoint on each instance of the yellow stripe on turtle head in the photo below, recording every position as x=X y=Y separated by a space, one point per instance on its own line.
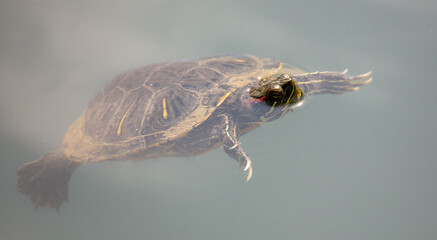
x=164 y=109
x=289 y=98
x=239 y=60
x=280 y=66
x=265 y=118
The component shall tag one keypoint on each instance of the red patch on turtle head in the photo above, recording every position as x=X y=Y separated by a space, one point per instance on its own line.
x=250 y=101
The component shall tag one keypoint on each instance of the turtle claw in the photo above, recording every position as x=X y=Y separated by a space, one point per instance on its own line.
x=248 y=169
x=248 y=164
x=236 y=145
x=249 y=173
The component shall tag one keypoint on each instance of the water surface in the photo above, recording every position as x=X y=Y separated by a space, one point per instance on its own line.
x=356 y=166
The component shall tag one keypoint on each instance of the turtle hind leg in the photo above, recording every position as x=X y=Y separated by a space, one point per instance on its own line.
x=45 y=181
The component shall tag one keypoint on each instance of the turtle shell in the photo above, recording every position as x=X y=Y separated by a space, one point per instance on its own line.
x=154 y=105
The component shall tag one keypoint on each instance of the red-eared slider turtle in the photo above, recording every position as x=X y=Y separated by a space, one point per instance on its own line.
x=177 y=109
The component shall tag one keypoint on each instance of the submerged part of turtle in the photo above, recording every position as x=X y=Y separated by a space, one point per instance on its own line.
x=177 y=109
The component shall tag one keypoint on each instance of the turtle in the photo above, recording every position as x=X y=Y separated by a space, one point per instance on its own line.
x=178 y=109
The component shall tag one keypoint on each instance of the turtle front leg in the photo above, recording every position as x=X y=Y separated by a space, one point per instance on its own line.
x=228 y=133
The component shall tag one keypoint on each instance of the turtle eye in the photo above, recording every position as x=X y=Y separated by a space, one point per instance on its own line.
x=275 y=92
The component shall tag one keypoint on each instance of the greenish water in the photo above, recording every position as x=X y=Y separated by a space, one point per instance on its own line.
x=356 y=166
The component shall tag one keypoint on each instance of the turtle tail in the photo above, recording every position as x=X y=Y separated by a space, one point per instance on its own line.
x=45 y=181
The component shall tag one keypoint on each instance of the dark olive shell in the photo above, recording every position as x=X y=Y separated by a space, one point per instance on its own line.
x=157 y=103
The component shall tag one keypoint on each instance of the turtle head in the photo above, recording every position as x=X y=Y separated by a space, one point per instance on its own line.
x=277 y=91
x=273 y=97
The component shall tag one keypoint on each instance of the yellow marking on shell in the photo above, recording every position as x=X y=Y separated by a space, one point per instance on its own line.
x=222 y=99
x=164 y=109
x=239 y=60
x=203 y=120
x=124 y=116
